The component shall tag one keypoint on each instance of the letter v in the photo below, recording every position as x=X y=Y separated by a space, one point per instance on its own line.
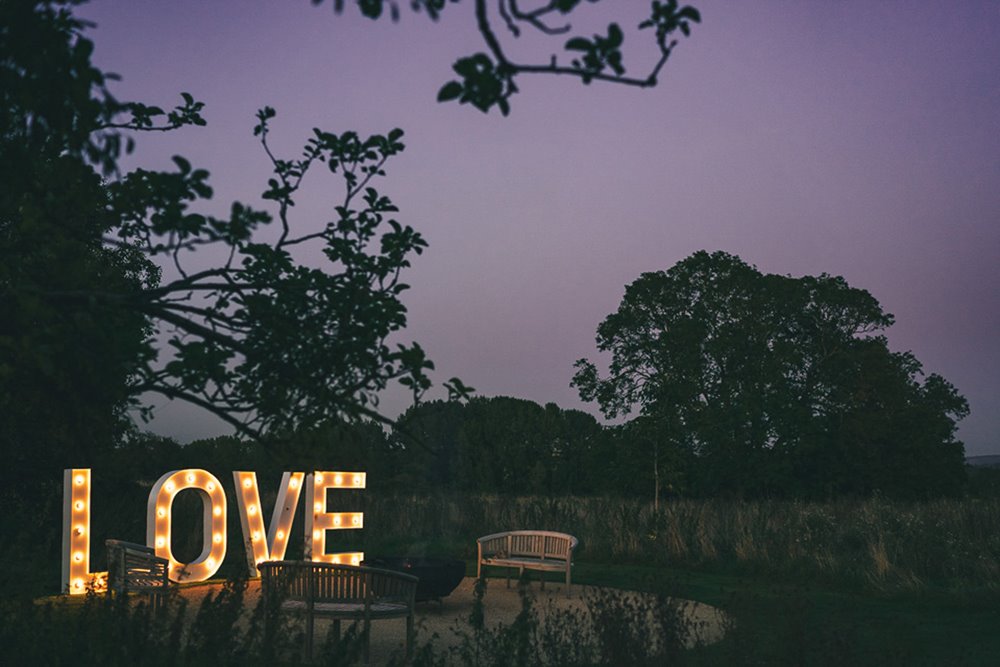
x=273 y=547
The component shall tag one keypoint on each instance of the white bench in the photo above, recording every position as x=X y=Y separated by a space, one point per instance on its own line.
x=543 y=550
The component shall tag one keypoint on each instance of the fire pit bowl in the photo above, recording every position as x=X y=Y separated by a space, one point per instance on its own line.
x=438 y=576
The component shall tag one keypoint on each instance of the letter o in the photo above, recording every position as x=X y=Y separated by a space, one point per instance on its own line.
x=158 y=519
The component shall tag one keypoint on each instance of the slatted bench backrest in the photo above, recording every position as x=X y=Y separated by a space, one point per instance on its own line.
x=135 y=568
x=328 y=582
x=539 y=545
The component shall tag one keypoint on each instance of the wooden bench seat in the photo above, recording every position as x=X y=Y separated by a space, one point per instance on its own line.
x=135 y=568
x=528 y=550
x=348 y=610
x=340 y=592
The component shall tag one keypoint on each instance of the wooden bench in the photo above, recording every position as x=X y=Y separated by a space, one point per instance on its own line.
x=528 y=550
x=339 y=592
x=135 y=568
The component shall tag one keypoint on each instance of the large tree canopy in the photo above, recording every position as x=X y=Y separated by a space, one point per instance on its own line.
x=87 y=321
x=777 y=385
x=488 y=79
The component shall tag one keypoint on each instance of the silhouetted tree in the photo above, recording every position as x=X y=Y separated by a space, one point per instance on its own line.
x=261 y=340
x=778 y=385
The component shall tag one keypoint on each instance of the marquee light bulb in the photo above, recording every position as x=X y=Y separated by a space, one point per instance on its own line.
x=210 y=486
x=255 y=536
x=338 y=480
x=293 y=483
x=80 y=530
x=281 y=535
x=78 y=556
x=79 y=480
x=160 y=512
x=160 y=542
x=318 y=507
x=319 y=478
x=247 y=483
x=252 y=509
x=357 y=480
x=336 y=520
x=190 y=478
x=217 y=538
x=317 y=534
x=78 y=584
x=78 y=505
x=169 y=486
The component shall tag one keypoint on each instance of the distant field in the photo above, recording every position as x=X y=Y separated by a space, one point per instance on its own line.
x=991 y=460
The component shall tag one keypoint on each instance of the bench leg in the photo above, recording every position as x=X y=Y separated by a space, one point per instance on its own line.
x=309 y=637
x=409 y=637
x=368 y=641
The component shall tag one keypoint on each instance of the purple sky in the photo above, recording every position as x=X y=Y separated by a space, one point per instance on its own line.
x=854 y=138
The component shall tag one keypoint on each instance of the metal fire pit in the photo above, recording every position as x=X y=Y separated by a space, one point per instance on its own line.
x=438 y=576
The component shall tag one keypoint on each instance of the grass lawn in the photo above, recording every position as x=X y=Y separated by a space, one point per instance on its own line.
x=794 y=620
x=796 y=624
x=792 y=623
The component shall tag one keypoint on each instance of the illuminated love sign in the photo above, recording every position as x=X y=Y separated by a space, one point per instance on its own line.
x=261 y=544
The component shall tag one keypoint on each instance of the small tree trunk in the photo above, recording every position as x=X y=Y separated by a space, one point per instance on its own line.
x=656 y=476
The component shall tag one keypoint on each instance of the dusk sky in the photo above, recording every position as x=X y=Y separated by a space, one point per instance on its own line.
x=855 y=138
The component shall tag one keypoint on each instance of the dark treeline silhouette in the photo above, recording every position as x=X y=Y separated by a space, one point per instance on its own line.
x=512 y=446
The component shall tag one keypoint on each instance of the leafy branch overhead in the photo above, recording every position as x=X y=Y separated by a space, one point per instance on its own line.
x=487 y=79
x=261 y=340
x=259 y=337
